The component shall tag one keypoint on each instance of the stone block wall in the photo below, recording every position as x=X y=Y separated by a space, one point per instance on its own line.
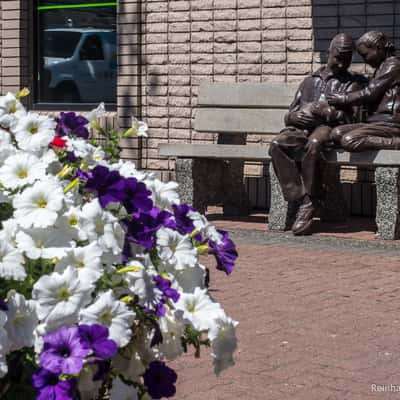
x=189 y=42
x=12 y=64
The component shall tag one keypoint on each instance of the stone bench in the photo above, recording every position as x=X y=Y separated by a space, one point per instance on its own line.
x=211 y=173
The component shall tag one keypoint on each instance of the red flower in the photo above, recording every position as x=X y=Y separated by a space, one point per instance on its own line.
x=58 y=142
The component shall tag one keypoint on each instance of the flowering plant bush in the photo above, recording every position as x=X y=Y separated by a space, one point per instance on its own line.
x=100 y=278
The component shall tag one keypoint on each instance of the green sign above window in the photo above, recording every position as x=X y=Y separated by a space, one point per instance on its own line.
x=80 y=5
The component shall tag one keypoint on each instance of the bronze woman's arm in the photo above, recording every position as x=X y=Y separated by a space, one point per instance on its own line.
x=375 y=90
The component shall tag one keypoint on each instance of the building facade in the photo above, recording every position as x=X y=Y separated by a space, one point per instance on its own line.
x=166 y=48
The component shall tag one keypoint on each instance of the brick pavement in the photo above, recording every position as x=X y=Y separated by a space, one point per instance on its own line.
x=319 y=319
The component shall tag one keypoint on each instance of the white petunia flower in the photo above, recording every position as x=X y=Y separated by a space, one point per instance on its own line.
x=79 y=146
x=139 y=128
x=122 y=391
x=176 y=250
x=38 y=206
x=223 y=343
x=114 y=314
x=34 y=132
x=189 y=279
x=128 y=169
x=60 y=297
x=21 y=321
x=5 y=196
x=97 y=154
x=4 y=344
x=164 y=195
x=21 y=169
x=172 y=329
x=201 y=224
x=69 y=222
x=101 y=225
x=50 y=159
x=6 y=147
x=11 y=262
x=11 y=109
x=96 y=113
x=87 y=260
x=43 y=243
x=9 y=231
x=198 y=309
x=141 y=284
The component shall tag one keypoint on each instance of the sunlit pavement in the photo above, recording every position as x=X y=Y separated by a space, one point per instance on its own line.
x=319 y=318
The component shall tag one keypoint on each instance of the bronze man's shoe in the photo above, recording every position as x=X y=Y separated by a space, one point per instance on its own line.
x=304 y=219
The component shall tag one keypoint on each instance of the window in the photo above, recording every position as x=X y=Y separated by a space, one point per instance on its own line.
x=76 y=52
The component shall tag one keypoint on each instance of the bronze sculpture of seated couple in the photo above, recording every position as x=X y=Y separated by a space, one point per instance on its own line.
x=325 y=112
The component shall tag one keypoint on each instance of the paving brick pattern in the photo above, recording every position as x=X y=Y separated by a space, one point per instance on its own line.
x=317 y=321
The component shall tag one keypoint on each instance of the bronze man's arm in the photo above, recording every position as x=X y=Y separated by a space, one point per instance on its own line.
x=294 y=116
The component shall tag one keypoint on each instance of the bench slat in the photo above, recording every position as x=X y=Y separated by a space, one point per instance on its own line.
x=366 y=158
x=221 y=151
x=239 y=120
x=266 y=94
x=260 y=153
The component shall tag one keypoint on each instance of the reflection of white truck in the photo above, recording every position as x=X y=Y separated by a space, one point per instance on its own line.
x=80 y=65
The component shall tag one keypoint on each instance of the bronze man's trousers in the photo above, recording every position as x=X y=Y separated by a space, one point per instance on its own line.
x=296 y=157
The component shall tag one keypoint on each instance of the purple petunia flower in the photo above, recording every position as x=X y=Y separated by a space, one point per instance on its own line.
x=164 y=285
x=48 y=386
x=159 y=380
x=224 y=252
x=83 y=175
x=143 y=227
x=96 y=337
x=64 y=351
x=71 y=157
x=184 y=224
x=71 y=124
x=126 y=250
x=137 y=196
x=160 y=309
x=108 y=185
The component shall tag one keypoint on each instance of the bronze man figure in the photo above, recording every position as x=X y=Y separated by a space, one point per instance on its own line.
x=381 y=96
x=296 y=151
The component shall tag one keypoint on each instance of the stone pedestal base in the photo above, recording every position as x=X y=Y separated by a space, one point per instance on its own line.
x=235 y=200
x=279 y=218
x=387 y=209
x=205 y=181
x=333 y=207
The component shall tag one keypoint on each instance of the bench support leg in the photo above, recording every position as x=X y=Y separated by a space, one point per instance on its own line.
x=199 y=182
x=192 y=186
x=235 y=200
x=387 y=206
x=278 y=218
x=334 y=207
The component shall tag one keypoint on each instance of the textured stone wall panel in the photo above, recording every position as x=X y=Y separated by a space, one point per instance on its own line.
x=189 y=42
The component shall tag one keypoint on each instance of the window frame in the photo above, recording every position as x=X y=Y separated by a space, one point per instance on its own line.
x=35 y=57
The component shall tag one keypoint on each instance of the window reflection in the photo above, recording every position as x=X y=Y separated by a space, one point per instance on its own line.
x=77 y=51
